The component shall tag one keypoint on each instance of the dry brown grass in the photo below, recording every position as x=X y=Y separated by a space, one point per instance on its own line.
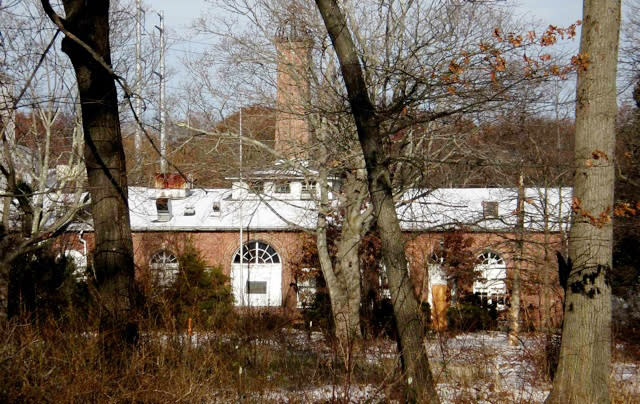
x=256 y=360
x=260 y=358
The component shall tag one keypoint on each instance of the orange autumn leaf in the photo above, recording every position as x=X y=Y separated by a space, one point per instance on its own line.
x=581 y=61
x=455 y=68
x=515 y=40
x=575 y=204
x=496 y=33
x=597 y=154
x=549 y=37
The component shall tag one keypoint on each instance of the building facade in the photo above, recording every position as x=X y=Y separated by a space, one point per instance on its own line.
x=255 y=236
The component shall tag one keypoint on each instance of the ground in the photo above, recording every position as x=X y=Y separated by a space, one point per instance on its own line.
x=469 y=368
x=261 y=359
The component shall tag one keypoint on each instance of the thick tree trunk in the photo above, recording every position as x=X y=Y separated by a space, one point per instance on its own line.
x=585 y=353
x=343 y=283
x=411 y=330
x=118 y=297
x=343 y=277
x=418 y=378
x=347 y=269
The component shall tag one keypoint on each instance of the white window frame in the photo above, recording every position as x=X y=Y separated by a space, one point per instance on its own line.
x=164 y=267
x=282 y=187
x=492 y=285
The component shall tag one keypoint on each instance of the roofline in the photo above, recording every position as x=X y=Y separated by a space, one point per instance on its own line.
x=184 y=229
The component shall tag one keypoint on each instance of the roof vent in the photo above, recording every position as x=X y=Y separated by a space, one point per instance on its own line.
x=163 y=206
x=490 y=209
x=215 y=208
x=189 y=211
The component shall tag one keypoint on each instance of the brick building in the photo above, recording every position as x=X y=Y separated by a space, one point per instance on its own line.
x=274 y=217
x=253 y=230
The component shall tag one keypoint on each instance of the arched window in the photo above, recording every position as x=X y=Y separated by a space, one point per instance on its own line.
x=491 y=284
x=257 y=252
x=164 y=267
x=256 y=275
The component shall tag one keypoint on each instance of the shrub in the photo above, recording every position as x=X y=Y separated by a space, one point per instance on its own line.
x=383 y=322
x=199 y=292
x=43 y=285
x=471 y=317
x=319 y=312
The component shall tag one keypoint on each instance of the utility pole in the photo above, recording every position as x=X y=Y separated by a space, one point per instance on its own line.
x=138 y=89
x=514 y=317
x=163 y=129
x=7 y=134
x=241 y=217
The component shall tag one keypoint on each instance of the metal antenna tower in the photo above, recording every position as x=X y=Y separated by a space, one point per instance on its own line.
x=138 y=89
x=163 y=129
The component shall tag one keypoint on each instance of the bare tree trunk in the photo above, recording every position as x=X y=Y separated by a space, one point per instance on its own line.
x=347 y=267
x=343 y=283
x=419 y=385
x=118 y=297
x=343 y=278
x=585 y=353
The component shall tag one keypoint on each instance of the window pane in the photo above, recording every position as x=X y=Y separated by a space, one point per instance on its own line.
x=255 y=287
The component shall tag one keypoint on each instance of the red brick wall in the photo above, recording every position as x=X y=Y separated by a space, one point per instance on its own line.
x=218 y=249
x=536 y=265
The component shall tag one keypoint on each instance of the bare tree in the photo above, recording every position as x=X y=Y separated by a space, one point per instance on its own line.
x=304 y=129
x=426 y=76
x=40 y=160
x=415 y=362
x=86 y=29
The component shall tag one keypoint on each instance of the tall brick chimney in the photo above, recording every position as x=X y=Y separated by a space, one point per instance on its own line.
x=293 y=46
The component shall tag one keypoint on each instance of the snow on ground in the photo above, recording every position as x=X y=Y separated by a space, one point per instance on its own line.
x=484 y=368
x=481 y=368
x=468 y=368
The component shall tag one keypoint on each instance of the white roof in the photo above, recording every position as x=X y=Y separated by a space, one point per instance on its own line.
x=265 y=214
x=418 y=210
x=444 y=208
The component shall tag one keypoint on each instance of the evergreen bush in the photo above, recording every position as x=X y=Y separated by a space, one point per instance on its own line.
x=199 y=292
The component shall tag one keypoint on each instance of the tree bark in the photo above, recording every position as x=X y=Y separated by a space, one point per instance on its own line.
x=347 y=267
x=585 y=353
x=118 y=297
x=343 y=277
x=419 y=384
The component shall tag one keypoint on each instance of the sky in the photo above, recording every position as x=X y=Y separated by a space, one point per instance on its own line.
x=180 y=14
